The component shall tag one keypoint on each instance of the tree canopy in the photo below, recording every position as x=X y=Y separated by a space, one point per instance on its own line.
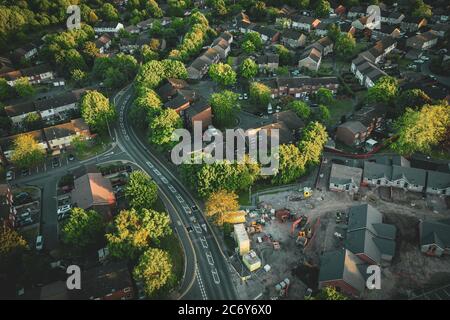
x=141 y=191
x=83 y=229
x=219 y=203
x=222 y=74
x=97 y=111
x=224 y=106
x=27 y=152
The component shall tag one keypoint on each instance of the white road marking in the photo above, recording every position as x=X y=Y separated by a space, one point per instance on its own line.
x=204 y=242
x=197 y=228
x=204 y=227
x=179 y=223
x=171 y=188
x=215 y=276
x=164 y=180
x=200 y=284
x=149 y=164
x=157 y=172
x=210 y=258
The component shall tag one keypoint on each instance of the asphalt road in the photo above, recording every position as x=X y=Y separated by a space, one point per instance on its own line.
x=205 y=261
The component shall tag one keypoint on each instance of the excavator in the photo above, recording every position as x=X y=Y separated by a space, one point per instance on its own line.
x=305 y=232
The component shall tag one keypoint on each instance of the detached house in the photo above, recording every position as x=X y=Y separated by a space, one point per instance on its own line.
x=267 y=34
x=93 y=191
x=344 y=178
x=368 y=237
x=199 y=111
x=423 y=41
x=310 y=59
x=352 y=133
x=434 y=238
x=343 y=270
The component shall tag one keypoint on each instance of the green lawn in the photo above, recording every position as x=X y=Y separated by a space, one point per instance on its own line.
x=101 y=145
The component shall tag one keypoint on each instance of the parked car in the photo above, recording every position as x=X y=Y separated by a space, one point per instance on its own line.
x=22 y=197
x=39 y=243
x=9 y=175
x=64 y=209
x=55 y=162
x=25 y=172
x=71 y=157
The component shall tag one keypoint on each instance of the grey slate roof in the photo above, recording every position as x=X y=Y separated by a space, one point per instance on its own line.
x=367 y=233
x=341 y=264
x=438 y=180
x=374 y=170
x=435 y=233
x=412 y=175
x=341 y=174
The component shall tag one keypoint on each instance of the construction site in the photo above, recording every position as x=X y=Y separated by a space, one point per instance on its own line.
x=280 y=244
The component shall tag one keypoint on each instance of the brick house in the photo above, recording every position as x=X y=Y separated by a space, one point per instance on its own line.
x=60 y=136
x=293 y=38
x=423 y=41
x=300 y=87
x=199 y=111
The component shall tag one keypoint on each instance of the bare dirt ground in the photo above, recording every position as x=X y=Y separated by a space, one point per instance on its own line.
x=410 y=273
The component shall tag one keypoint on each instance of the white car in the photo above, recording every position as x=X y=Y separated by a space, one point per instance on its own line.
x=245 y=96
x=64 y=209
x=9 y=176
x=39 y=243
x=425 y=58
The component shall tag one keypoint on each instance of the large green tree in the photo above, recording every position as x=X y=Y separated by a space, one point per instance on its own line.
x=83 y=229
x=154 y=269
x=141 y=191
x=222 y=74
x=27 y=152
x=225 y=106
x=97 y=111
x=133 y=231
x=248 y=68
x=322 y=9
x=24 y=88
x=385 y=90
x=312 y=142
x=291 y=165
x=260 y=94
x=301 y=109
x=422 y=130
x=162 y=127
x=345 y=45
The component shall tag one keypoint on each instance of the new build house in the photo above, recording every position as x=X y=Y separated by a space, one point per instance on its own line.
x=435 y=238
x=344 y=178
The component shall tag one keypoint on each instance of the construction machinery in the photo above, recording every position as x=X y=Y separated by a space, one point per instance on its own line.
x=283 y=215
x=254 y=228
x=300 y=221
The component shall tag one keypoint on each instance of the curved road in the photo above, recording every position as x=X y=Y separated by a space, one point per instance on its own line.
x=207 y=272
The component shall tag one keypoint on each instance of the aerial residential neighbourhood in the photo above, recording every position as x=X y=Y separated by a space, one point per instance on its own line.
x=349 y=99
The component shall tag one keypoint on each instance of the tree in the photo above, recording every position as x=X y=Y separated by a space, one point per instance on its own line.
x=248 y=47
x=219 y=7
x=329 y=293
x=260 y=94
x=10 y=242
x=313 y=140
x=322 y=9
x=422 y=130
x=333 y=32
x=248 y=68
x=224 y=106
x=219 y=203
x=109 y=13
x=5 y=89
x=96 y=110
x=285 y=54
x=384 y=90
x=141 y=191
x=83 y=229
x=27 y=151
x=301 y=109
x=150 y=103
x=413 y=98
x=154 y=9
x=79 y=76
x=174 y=69
x=291 y=165
x=324 y=114
x=300 y=4
x=222 y=74
x=255 y=38
x=133 y=231
x=324 y=96
x=148 y=54
x=345 y=45
x=33 y=121
x=154 y=269
x=422 y=10
x=24 y=88
x=162 y=128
